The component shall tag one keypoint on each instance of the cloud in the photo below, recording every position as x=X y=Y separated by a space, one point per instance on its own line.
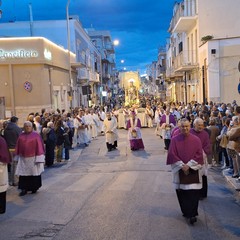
x=140 y=25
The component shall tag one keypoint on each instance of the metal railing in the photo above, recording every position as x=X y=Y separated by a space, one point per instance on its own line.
x=185 y=58
x=187 y=8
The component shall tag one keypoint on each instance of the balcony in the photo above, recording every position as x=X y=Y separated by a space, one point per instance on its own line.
x=171 y=74
x=109 y=59
x=83 y=76
x=94 y=77
x=109 y=47
x=86 y=76
x=185 y=61
x=185 y=17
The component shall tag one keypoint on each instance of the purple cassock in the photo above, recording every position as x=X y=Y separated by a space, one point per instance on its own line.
x=204 y=138
x=29 y=145
x=135 y=139
x=171 y=119
x=4 y=153
x=180 y=151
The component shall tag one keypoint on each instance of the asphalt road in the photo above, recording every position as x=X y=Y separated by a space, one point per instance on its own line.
x=118 y=195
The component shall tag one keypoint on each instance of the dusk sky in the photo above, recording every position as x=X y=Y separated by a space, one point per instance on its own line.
x=139 y=25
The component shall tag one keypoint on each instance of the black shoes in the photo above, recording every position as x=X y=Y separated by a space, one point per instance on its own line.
x=192 y=220
x=22 y=193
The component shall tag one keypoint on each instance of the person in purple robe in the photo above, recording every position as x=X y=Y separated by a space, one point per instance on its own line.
x=30 y=156
x=134 y=132
x=199 y=131
x=186 y=158
x=5 y=159
x=167 y=124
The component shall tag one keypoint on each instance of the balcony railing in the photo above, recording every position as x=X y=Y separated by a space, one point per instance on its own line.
x=185 y=61
x=84 y=75
x=94 y=77
x=184 y=16
x=109 y=47
x=170 y=72
x=109 y=59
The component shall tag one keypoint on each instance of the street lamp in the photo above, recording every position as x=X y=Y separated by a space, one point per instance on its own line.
x=101 y=82
x=116 y=42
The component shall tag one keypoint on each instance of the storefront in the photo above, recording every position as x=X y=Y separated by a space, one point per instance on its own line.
x=35 y=74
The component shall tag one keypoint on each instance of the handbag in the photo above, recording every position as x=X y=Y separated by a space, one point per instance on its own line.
x=224 y=141
x=190 y=177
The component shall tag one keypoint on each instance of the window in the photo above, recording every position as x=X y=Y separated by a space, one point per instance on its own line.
x=180 y=47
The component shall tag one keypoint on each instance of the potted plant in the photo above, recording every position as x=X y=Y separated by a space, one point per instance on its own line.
x=206 y=38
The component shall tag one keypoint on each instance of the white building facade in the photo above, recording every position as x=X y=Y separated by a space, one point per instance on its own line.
x=195 y=22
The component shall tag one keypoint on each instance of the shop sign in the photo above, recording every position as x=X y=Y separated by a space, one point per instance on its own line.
x=47 y=54
x=19 y=53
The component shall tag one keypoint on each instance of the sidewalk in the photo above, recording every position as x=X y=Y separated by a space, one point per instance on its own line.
x=233 y=181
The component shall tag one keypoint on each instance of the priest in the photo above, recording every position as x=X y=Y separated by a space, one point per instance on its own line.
x=186 y=159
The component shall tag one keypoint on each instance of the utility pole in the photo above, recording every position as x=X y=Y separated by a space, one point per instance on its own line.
x=69 y=53
x=185 y=76
x=31 y=19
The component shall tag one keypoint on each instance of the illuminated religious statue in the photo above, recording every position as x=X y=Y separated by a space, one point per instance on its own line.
x=130 y=82
x=132 y=92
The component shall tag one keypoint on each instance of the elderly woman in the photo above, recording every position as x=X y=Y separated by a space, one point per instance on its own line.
x=30 y=156
x=50 y=139
x=4 y=160
x=134 y=132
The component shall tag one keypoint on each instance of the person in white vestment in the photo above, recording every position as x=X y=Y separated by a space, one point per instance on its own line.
x=149 y=116
x=126 y=115
x=80 y=129
x=88 y=119
x=94 y=123
x=102 y=116
x=110 y=130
